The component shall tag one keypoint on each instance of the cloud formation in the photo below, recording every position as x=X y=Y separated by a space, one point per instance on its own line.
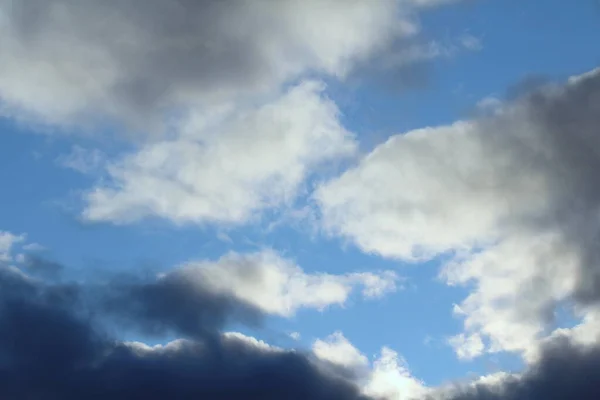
x=207 y=82
x=387 y=377
x=139 y=61
x=231 y=121
x=57 y=336
x=52 y=347
x=7 y=241
x=513 y=195
x=338 y=350
x=226 y=167
x=564 y=371
x=277 y=286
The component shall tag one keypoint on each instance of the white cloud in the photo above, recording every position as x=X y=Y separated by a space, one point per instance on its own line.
x=388 y=377
x=467 y=347
x=518 y=283
x=224 y=237
x=33 y=247
x=338 y=350
x=492 y=383
x=177 y=344
x=277 y=285
x=376 y=285
x=471 y=42
x=200 y=73
x=251 y=341
x=490 y=104
x=512 y=195
x=137 y=60
x=227 y=171
x=391 y=379
x=82 y=160
x=425 y=192
x=7 y=242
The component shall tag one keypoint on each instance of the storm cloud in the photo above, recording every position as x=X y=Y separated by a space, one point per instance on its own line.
x=565 y=371
x=52 y=347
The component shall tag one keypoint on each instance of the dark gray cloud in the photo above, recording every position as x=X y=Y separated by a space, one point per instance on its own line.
x=176 y=304
x=565 y=371
x=543 y=151
x=555 y=132
x=51 y=347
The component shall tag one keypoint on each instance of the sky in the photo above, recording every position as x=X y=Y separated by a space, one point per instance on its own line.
x=285 y=199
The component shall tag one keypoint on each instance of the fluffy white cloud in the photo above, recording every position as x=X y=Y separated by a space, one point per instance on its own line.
x=251 y=341
x=513 y=195
x=229 y=168
x=467 y=346
x=338 y=350
x=518 y=284
x=201 y=74
x=7 y=241
x=177 y=344
x=278 y=286
x=388 y=377
x=428 y=191
x=138 y=60
x=409 y=198
x=391 y=379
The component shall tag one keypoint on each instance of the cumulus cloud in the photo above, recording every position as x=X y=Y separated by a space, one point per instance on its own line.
x=227 y=168
x=53 y=348
x=138 y=61
x=513 y=195
x=200 y=77
x=208 y=294
x=55 y=340
x=387 y=377
x=467 y=346
x=338 y=350
x=519 y=282
x=390 y=378
x=278 y=286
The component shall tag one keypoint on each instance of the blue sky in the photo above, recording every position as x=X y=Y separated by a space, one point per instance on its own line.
x=485 y=49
